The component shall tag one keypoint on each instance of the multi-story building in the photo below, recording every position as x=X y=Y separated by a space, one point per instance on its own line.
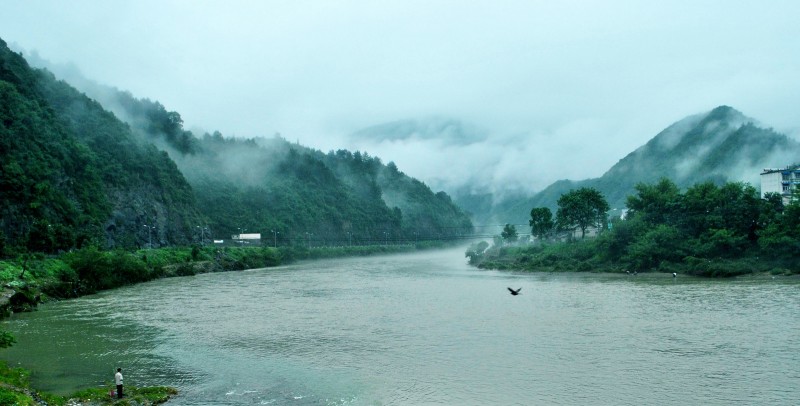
x=784 y=181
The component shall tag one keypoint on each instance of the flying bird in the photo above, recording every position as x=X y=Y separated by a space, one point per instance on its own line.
x=514 y=292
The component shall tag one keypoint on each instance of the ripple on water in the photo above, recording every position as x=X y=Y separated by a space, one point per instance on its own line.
x=426 y=329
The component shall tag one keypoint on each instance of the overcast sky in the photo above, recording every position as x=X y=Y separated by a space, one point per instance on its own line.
x=555 y=89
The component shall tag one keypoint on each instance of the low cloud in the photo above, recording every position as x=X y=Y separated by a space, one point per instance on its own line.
x=542 y=90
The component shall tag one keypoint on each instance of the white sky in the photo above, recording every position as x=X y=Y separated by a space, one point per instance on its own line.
x=563 y=89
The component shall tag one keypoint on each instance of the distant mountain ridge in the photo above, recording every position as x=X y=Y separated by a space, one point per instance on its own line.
x=718 y=146
x=450 y=131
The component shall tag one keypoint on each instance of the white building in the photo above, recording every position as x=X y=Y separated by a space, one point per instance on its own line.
x=784 y=181
x=251 y=238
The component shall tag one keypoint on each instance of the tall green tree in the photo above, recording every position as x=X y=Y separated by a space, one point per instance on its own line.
x=541 y=222
x=582 y=208
x=655 y=202
x=509 y=233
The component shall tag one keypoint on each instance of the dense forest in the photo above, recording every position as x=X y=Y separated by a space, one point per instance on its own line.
x=290 y=193
x=72 y=174
x=706 y=230
x=107 y=169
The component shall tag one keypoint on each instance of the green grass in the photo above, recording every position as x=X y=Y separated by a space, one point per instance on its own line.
x=133 y=395
x=15 y=390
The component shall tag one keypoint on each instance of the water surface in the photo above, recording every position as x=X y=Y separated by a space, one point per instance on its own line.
x=425 y=329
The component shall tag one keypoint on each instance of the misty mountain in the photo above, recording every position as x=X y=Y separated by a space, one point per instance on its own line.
x=72 y=174
x=307 y=196
x=449 y=154
x=295 y=193
x=718 y=146
x=448 y=131
x=118 y=171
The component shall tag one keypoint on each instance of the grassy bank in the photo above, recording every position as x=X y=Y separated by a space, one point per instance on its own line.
x=90 y=270
x=590 y=255
x=15 y=390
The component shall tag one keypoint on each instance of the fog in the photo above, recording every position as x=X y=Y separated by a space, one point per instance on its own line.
x=496 y=95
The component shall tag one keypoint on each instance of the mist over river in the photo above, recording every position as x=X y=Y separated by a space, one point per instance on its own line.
x=423 y=329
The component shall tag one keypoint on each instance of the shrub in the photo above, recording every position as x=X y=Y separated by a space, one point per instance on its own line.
x=97 y=270
x=662 y=243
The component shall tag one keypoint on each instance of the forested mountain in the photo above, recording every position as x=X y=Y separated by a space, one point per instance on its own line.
x=719 y=146
x=290 y=193
x=73 y=174
x=130 y=174
x=300 y=195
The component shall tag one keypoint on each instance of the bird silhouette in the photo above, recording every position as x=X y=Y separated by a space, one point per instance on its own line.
x=514 y=292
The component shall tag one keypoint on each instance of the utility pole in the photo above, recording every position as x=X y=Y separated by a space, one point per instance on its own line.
x=202 y=235
x=149 y=235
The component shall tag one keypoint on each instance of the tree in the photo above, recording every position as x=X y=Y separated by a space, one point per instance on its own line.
x=656 y=202
x=509 y=233
x=581 y=208
x=476 y=251
x=541 y=221
x=662 y=243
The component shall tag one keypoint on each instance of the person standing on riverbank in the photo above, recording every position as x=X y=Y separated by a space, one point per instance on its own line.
x=118 y=381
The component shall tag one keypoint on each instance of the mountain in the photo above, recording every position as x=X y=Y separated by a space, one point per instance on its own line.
x=72 y=174
x=449 y=131
x=297 y=194
x=305 y=196
x=289 y=193
x=718 y=146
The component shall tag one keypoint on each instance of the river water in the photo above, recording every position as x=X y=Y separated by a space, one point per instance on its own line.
x=424 y=329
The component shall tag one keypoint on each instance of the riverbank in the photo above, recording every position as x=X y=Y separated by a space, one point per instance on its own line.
x=15 y=390
x=32 y=279
x=593 y=256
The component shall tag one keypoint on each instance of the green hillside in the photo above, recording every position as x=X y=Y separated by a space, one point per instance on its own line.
x=108 y=168
x=296 y=195
x=73 y=174
x=720 y=146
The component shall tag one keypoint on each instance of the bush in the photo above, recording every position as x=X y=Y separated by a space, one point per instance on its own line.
x=720 y=267
x=97 y=270
x=9 y=397
x=6 y=340
x=9 y=272
x=661 y=244
x=185 y=269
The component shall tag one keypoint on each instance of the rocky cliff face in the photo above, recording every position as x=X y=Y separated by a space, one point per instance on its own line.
x=72 y=174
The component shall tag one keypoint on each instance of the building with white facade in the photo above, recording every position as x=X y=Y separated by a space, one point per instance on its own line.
x=784 y=181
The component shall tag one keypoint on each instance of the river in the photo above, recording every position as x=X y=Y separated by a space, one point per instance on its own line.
x=422 y=329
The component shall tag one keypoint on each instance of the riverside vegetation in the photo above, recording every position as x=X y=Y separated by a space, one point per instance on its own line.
x=31 y=279
x=15 y=390
x=708 y=230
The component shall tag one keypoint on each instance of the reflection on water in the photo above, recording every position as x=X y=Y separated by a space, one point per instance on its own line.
x=425 y=329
